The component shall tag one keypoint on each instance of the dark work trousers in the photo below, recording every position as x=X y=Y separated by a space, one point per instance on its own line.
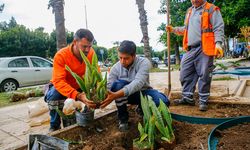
x=54 y=100
x=196 y=67
x=121 y=103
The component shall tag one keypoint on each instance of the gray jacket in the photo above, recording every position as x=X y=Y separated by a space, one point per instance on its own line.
x=137 y=75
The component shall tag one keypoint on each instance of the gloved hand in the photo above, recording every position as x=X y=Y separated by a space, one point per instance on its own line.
x=169 y=28
x=218 y=50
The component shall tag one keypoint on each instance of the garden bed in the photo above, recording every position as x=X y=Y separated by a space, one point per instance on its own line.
x=236 y=137
x=104 y=134
x=214 y=110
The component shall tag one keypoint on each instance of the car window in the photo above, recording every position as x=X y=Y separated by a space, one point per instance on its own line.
x=40 y=62
x=20 y=62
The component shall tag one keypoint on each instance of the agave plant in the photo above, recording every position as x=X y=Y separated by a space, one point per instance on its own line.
x=147 y=130
x=92 y=83
x=157 y=124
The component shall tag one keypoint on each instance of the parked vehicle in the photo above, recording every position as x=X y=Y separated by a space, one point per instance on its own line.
x=172 y=59
x=154 y=63
x=240 y=49
x=156 y=59
x=23 y=71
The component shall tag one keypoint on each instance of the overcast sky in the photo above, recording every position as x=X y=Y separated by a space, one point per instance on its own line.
x=109 y=20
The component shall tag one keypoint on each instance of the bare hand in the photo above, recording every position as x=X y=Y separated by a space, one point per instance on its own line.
x=169 y=28
x=111 y=96
x=82 y=97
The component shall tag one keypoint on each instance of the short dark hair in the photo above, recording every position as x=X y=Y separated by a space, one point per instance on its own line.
x=84 y=33
x=127 y=47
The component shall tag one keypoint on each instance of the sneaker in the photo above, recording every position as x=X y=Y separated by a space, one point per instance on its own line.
x=184 y=101
x=123 y=126
x=203 y=107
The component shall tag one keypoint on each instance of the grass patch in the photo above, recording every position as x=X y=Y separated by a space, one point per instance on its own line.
x=5 y=98
x=223 y=79
x=157 y=70
x=176 y=67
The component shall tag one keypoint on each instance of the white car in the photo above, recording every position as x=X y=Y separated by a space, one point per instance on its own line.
x=23 y=71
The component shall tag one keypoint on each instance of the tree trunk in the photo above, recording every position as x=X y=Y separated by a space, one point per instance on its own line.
x=144 y=28
x=177 y=53
x=58 y=9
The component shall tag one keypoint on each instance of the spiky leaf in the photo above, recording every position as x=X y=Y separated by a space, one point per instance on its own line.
x=166 y=116
x=159 y=121
x=78 y=79
x=145 y=108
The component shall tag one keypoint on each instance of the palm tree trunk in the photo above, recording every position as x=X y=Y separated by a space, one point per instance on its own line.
x=144 y=28
x=58 y=9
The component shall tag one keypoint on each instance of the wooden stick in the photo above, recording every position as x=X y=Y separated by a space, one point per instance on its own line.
x=168 y=45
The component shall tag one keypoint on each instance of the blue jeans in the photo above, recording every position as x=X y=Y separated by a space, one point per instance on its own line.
x=54 y=95
x=135 y=99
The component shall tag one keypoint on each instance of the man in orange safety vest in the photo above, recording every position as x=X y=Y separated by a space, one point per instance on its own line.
x=203 y=34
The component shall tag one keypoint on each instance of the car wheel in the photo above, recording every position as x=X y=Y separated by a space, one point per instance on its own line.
x=155 y=65
x=9 y=85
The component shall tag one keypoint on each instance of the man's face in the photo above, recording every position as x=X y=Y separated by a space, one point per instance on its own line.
x=83 y=45
x=197 y=3
x=126 y=59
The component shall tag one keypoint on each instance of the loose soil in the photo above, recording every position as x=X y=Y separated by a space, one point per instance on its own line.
x=105 y=135
x=214 y=110
x=188 y=136
x=110 y=138
x=191 y=136
x=236 y=138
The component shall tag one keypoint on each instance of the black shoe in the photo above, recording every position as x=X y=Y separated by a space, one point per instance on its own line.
x=203 y=107
x=184 y=101
x=51 y=129
x=123 y=126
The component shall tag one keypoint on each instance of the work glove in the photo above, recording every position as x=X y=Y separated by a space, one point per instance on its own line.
x=218 y=50
x=169 y=28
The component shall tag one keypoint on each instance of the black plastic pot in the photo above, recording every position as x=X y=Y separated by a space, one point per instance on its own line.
x=69 y=121
x=84 y=118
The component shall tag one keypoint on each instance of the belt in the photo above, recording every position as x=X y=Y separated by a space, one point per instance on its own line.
x=194 y=46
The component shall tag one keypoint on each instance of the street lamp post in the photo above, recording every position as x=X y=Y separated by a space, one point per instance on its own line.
x=85 y=9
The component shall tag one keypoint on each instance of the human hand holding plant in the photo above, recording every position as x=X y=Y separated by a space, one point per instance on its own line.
x=110 y=97
x=93 y=85
x=82 y=97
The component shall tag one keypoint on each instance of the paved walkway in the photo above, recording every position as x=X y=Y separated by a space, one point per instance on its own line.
x=14 y=120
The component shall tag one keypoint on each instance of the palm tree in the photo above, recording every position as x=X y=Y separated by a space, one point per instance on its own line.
x=58 y=10
x=144 y=27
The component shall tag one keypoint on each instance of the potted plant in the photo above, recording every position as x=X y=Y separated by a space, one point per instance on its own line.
x=93 y=85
